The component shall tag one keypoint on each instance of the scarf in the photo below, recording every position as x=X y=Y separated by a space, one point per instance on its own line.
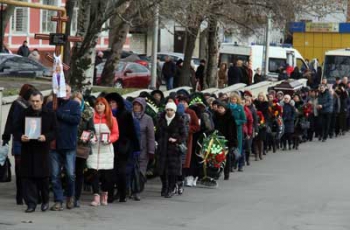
x=137 y=115
x=114 y=112
x=233 y=106
x=169 y=119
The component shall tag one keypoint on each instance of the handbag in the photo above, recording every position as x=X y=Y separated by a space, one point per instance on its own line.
x=182 y=148
x=83 y=152
x=304 y=124
x=235 y=153
x=5 y=171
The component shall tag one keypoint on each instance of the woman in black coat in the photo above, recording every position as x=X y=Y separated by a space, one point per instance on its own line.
x=170 y=132
x=225 y=123
x=11 y=127
x=288 y=120
x=127 y=144
x=262 y=105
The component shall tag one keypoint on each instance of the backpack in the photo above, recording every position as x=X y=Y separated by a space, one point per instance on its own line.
x=207 y=122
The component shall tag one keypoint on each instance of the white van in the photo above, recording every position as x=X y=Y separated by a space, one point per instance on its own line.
x=336 y=64
x=278 y=56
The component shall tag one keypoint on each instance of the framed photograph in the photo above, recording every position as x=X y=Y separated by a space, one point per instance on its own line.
x=32 y=127
x=85 y=136
x=104 y=137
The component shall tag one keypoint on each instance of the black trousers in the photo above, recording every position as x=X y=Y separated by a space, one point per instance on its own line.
x=287 y=138
x=228 y=164
x=103 y=177
x=119 y=177
x=79 y=176
x=325 y=120
x=19 y=189
x=168 y=182
x=34 y=186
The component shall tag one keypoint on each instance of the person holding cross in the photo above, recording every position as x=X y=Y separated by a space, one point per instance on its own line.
x=68 y=116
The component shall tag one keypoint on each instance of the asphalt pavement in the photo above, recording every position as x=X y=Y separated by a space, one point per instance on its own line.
x=307 y=189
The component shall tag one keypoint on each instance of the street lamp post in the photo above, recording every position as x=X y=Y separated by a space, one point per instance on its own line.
x=1 y=28
x=1 y=90
x=155 y=47
x=267 y=46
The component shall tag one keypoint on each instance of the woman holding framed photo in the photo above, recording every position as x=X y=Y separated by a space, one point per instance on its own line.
x=86 y=131
x=101 y=162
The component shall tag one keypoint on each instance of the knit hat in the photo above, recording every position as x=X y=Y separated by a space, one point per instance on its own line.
x=171 y=105
x=248 y=93
x=221 y=103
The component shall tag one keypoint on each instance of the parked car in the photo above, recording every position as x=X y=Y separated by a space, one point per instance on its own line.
x=127 y=75
x=12 y=65
x=195 y=62
x=128 y=56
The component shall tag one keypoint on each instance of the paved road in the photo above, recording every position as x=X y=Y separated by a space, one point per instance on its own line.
x=305 y=190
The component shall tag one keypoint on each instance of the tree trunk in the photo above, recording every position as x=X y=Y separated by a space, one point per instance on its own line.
x=213 y=49
x=191 y=38
x=203 y=44
x=90 y=21
x=66 y=49
x=119 y=38
x=118 y=34
x=6 y=15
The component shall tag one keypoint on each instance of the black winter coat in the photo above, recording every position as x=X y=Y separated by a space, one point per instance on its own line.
x=226 y=125
x=35 y=158
x=263 y=106
x=288 y=117
x=235 y=75
x=169 y=157
x=127 y=133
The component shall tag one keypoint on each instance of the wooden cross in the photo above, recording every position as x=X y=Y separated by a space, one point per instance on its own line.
x=59 y=29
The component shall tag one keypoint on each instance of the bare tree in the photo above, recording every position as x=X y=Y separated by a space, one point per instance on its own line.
x=244 y=14
x=7 y=13
x=70 y=4
x=136 y=13
x=92 y=15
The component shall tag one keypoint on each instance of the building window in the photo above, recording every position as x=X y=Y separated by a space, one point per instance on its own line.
x=47 y=25
x=19 y=21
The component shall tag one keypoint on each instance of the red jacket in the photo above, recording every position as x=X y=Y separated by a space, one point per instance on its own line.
x=248 y=126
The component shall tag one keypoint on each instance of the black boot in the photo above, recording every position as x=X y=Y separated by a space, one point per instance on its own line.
x=164 y=185
x=171 y=188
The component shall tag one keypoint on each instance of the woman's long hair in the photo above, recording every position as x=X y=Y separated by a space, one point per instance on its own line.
x=108 y=112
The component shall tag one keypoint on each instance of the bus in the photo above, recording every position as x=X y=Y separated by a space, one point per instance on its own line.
x=336 y=64
x=254 y=55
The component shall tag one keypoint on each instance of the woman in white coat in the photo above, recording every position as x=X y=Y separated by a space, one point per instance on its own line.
x=101 y=162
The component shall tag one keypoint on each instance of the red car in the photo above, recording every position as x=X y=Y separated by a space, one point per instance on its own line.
x=127 y=75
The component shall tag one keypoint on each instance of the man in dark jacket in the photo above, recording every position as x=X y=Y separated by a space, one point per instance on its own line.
x=23 y=50
x=325 y=109
x=200 y=74
x=168 y=71
x=64 y=150
x=35 y=158
x=235 y=74
x=98 y=60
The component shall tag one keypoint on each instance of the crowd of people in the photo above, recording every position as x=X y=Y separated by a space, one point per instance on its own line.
x=111 y=145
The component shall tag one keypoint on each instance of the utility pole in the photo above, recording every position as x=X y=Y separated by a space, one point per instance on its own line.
x=267 y=46
x=155 y=47
x=1 y=28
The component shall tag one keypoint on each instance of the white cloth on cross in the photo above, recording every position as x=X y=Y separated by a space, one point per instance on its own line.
x=58 y=79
